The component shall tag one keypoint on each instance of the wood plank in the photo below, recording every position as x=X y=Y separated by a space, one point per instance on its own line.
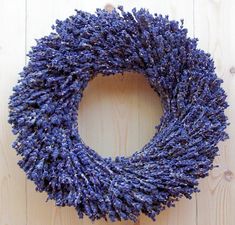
x=113 y=109
x=214 y=26
x=12 y=59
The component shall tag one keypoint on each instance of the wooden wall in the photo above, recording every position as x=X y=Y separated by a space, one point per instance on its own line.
x=117 y=114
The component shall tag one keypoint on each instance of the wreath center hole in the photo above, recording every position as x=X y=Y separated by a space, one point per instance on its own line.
x=118 y=114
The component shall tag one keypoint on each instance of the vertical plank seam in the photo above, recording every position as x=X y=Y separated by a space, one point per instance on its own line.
x=25 y=62
x=194 y=37
x=196 y=209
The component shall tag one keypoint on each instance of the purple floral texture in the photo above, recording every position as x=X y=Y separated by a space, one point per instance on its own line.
x=44 y=105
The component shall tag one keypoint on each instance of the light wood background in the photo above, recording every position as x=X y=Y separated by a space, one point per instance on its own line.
x=117 y=114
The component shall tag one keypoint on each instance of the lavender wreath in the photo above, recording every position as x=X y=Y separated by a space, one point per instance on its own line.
x=43 y=113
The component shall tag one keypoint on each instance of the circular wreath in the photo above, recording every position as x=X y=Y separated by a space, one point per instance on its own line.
x=43 y=112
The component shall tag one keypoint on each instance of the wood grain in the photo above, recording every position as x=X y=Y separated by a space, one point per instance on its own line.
x=214 y=26
x=118 y=114
x=12 y=59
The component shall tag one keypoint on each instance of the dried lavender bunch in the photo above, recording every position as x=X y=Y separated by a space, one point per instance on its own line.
x=43 y=113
